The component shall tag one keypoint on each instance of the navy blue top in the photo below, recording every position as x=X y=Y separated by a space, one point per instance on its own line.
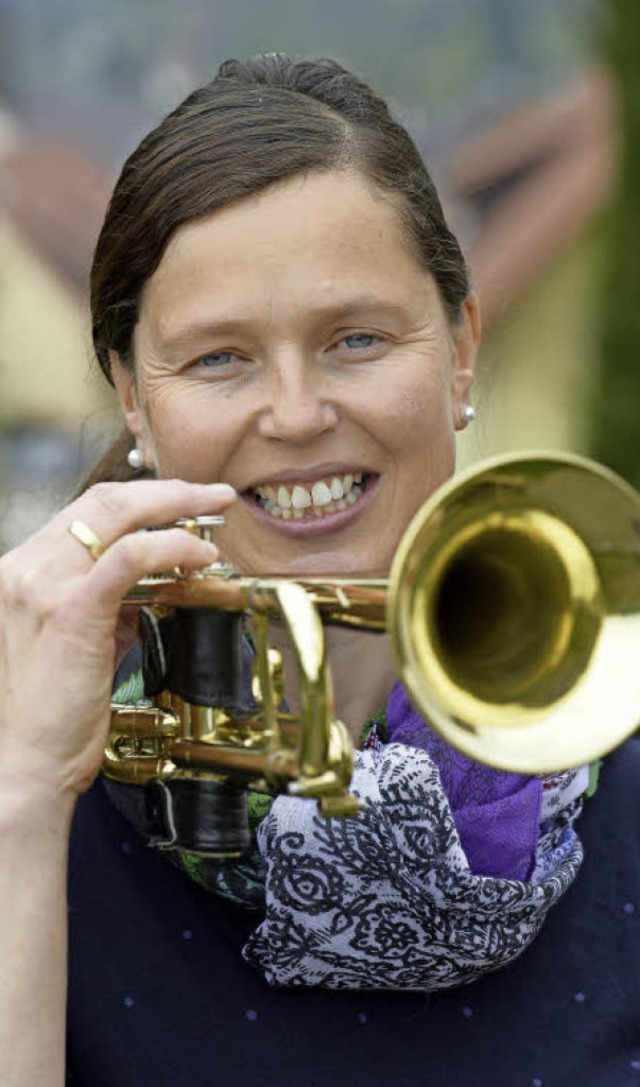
x=159 y=995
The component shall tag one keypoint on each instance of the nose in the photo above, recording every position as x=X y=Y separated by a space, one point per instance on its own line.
x=297 y=408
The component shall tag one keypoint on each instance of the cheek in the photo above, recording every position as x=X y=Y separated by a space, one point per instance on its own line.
x=423 y=411
x=423 y=439
x=417 y=412
x=191 y=435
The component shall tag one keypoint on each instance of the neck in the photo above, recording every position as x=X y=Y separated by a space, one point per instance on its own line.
x=362 y=671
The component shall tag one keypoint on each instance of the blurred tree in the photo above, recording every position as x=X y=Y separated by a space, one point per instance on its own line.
x=616 y=411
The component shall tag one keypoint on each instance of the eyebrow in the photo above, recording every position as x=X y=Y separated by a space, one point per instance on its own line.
x=183 y=335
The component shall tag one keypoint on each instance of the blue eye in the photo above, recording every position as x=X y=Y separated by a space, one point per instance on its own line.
x=215 y=359
x=361 y=340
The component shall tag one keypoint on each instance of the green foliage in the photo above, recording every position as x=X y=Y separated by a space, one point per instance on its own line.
x=616 y=413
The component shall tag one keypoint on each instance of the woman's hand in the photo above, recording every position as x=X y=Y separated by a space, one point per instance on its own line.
x=60 y=628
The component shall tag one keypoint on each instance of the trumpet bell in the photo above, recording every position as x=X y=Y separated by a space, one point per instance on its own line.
x=513 y=611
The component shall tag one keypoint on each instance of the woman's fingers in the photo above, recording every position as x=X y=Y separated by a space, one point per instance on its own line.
x=57 y=573
x=131 y=558
x=115 y=509
x=62 y=627
x=111 y=511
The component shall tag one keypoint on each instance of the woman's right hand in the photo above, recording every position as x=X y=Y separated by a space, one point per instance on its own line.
x=60 y=624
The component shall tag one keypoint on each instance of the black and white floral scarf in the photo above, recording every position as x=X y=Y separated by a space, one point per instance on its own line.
x=394 y=898
x=387 y=900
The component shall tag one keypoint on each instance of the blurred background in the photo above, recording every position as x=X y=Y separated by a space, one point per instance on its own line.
x=523 y=109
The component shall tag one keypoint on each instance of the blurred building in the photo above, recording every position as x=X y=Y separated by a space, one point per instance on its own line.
x=53 y=404
x=534 y=187
x=524 y=184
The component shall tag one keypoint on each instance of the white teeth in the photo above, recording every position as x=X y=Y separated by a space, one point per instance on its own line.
x=320 y=494
x=322 y=498
x=300 y=498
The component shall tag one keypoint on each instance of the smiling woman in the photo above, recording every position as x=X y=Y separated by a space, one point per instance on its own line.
x=294 y=342
x=290 y=329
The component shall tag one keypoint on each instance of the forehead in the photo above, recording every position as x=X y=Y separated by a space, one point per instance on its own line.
x=323 y=234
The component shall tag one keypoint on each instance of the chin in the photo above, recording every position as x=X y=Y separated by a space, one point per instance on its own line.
x=315 y=564
x=333 y=564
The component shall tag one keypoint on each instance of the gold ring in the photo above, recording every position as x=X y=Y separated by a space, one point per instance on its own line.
x=87 y=537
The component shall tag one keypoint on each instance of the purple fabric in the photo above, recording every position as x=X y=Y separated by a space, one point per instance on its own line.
x=497 y=814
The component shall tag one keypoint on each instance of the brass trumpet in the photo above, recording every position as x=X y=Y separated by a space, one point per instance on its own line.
x=513 y=608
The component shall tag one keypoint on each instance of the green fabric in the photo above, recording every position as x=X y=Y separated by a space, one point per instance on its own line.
x=259 y=805
x=377 y=721
x=594 y=777
x=131 y=690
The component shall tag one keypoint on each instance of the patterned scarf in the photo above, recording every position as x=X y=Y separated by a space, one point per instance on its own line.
x=447 y=872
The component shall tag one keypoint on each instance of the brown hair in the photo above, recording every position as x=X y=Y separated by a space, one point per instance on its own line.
x=256 y=123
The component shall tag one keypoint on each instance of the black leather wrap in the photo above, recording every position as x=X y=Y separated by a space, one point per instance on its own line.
x=200 y=816
x=199 y=657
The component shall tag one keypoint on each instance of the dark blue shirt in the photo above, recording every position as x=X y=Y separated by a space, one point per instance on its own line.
x=159 y=995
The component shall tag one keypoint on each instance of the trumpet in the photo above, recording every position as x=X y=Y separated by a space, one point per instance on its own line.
x=513 y=609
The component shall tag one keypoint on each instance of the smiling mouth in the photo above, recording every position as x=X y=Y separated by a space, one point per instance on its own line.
x=311 y=500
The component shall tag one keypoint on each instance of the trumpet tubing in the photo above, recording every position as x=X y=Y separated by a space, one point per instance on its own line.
x=513 y=609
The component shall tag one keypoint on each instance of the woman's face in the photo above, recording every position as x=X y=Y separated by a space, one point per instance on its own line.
x=291 y=345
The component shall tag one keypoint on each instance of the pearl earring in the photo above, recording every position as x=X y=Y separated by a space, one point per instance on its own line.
x=135 y=458
x=469 y=414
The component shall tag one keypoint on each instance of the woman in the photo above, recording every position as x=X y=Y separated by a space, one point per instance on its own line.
x=291 y=333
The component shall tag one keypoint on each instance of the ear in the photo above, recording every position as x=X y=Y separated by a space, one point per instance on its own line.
x=125 y=385
x=465 y=342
